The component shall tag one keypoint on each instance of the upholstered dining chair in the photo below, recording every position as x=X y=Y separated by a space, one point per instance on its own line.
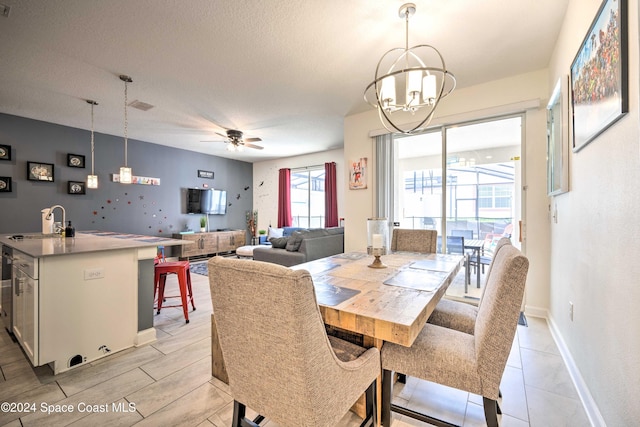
x=473 y=363
x=408 y=240
x=459 y=315
x=278 y=357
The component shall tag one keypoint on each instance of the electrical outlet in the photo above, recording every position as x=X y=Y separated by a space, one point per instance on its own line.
x=570 y=311
x=93 y=273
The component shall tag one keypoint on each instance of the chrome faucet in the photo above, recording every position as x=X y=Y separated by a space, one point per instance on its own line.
x=50 y=214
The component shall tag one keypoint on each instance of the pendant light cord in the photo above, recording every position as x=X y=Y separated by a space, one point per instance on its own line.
x=92 y=144
x=125 y=122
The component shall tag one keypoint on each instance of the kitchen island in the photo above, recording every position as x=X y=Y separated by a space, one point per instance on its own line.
x=78 y=299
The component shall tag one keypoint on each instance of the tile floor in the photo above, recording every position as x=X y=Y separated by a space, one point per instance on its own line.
x=169 y=383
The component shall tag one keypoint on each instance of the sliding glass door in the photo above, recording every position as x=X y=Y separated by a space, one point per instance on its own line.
x=473 y=190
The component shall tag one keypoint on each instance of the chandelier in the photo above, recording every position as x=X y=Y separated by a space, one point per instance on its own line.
x=418 y=74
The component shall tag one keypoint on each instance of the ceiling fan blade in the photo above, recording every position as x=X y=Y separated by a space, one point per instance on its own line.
x=252 y=139
x=257 y=147
x=222 y=135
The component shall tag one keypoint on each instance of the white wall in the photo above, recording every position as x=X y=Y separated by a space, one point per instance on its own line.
x=596 y=243
x=494 y=98
x=265 y=182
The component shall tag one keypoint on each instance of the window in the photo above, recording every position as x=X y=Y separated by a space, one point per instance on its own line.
x=495 y=196
x=307 y=197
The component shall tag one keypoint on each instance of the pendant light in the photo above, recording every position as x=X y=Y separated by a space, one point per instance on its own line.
x=125 y=171
x=92 y=180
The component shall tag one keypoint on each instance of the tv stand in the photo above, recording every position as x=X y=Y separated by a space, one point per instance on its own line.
x=211 y=243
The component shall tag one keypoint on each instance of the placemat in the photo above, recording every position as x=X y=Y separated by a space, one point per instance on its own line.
x=417 y=279
x=331 y=295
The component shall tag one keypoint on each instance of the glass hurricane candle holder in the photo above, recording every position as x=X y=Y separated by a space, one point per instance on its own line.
x=377 y=240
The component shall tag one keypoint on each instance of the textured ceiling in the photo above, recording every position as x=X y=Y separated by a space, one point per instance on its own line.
x=286 y=71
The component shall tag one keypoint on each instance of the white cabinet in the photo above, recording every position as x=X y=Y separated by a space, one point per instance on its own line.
x=25 y=303
x=73 y=309
x=88 y=306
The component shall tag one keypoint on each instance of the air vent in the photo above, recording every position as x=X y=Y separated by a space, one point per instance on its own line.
x=4 y=10
x=140 y=105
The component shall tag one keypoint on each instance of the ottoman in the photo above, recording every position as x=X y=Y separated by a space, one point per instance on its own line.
x=246 y=251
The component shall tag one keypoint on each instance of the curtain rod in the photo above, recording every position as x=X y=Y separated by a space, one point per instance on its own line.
x=309 y=167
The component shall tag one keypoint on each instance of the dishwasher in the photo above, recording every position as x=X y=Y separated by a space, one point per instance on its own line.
x=6 y=303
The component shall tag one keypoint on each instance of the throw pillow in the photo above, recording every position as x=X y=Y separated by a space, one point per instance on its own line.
x=279 y=242
x=274 y=232
x=295 y=240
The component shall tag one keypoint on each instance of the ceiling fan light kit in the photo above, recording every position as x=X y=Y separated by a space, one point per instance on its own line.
x=236 y=141
x=418 y=74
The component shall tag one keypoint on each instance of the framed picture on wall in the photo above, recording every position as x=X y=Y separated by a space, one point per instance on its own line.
x=5 y=152
x=599 y=74
x=5 y=184
x=40 y=171
x=75 y=160
x=358 y=174
x=558 y=139
x=76 y=187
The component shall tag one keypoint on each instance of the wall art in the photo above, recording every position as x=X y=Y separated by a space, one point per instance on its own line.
x=358 y=174
x=5 y=184
x=599 y=74
x=75 y=160
x=76 y=187
x=5 y=152
x=205 y=174
x=558 y=139
x=141 y=180
x=40 y=171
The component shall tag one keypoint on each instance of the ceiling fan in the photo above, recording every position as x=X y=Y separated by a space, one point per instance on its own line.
x=237 y=142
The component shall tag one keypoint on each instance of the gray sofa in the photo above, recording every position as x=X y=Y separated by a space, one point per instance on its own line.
x=303 y=246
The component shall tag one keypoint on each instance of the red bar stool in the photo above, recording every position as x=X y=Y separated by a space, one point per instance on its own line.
x=181 y=268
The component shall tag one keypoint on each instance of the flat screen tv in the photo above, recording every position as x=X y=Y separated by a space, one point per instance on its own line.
x=206 y=201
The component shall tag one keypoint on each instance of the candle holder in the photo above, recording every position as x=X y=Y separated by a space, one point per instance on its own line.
x=377 y=240
x=377 y=253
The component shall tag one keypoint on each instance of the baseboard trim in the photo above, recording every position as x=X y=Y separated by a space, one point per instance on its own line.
x=588 y=403
x=145 y=337
x=536 y=312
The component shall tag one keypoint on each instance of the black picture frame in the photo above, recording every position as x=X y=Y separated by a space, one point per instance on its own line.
x=75 y=160
x=76 y=187
x=5 y=184
x=5 y=152
x=599 y=74
x=205 y=174
x=43 y=172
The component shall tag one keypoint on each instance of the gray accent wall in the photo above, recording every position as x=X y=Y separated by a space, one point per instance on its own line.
x=138 y=209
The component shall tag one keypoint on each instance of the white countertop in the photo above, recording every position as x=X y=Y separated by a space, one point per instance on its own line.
x=37 y=245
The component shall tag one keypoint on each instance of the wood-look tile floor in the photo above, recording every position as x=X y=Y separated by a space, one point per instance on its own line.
x=169 y=383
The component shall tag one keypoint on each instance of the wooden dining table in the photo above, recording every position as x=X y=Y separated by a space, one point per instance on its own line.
x=377 y=304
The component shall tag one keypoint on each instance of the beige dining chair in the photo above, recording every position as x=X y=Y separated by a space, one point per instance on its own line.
x=278 y=357
x=459 y=315
x=408 y=240
x=473 y=363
